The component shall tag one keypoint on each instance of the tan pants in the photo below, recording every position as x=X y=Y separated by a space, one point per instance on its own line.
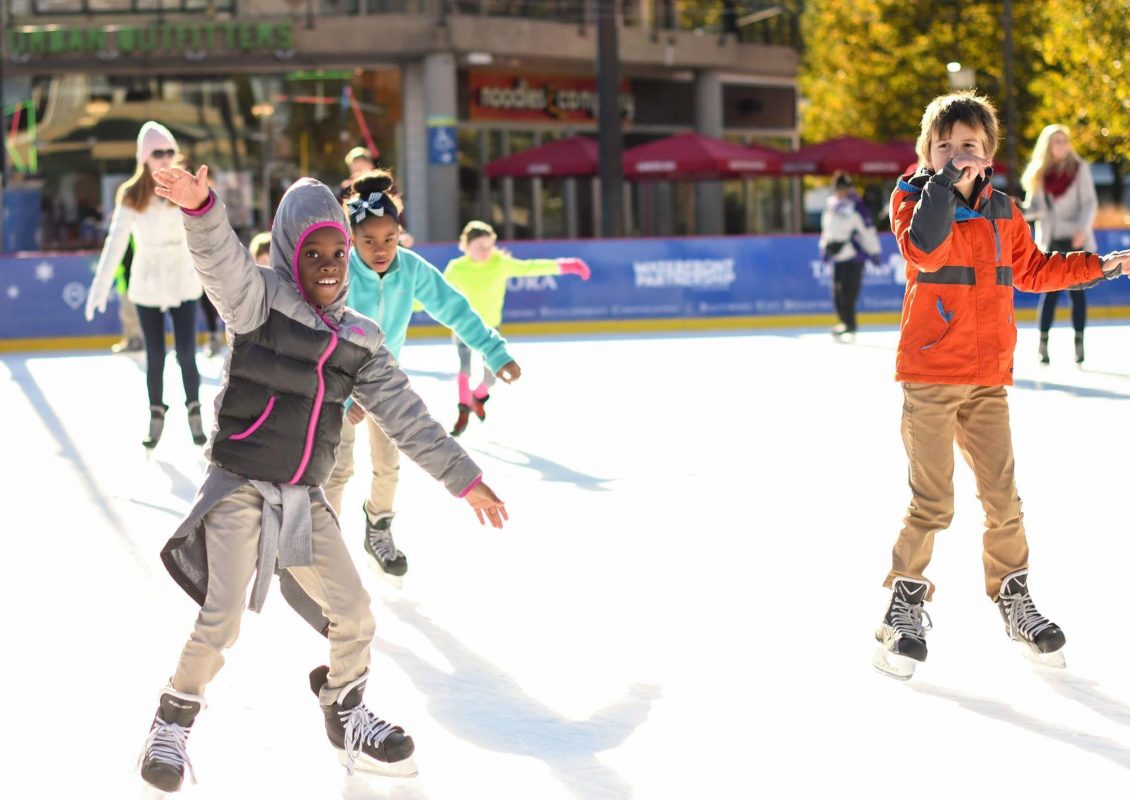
x=127 y=315
x=231 y=531
x=385 y=458
x=933 y=417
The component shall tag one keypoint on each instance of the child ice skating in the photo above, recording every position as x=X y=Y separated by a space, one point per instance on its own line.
x=481 y=274
x=384 y=279
x=966 y=247
x=296 y=355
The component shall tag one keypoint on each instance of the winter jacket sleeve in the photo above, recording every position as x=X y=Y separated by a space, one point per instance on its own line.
x=923 y=222
x=383 y=390
x=231 y=278
x=530 y=266
x=1035 y=205
x=117 y=240
x=1088 y=198
x=450 y=308
x=1036 y=271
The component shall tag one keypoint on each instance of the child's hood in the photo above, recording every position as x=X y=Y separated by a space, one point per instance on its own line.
x=306 y=206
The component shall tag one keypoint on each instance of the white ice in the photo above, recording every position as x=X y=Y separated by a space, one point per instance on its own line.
x=682 y=605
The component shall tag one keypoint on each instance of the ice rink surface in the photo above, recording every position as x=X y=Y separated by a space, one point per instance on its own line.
x=682 y=605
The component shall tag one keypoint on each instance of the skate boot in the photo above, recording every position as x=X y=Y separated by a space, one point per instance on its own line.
x=214 y=344
x=165 y=757
x=133 y=345
x=195 y=423
x=383 y=555
x=156 y=425
x=1044 y=359
x=478 y=406
x=1078 y=348
x=1041 y=639
x=902 y=635
x=363 y=740
x=461 y=422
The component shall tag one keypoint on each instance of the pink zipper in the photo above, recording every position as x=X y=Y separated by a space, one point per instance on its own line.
x=255 y=425
x=310 y=430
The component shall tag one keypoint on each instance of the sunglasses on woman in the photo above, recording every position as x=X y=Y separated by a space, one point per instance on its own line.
x=164 y=153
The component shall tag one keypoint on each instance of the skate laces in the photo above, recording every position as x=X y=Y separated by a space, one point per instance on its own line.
x=907 y=619
x=382 y=543
x=1023 y=616
x=362 y=727
x=168 y=743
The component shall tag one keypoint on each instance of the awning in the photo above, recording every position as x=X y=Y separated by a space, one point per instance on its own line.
x=849 y=154
x=574 y=156
x=692 y=156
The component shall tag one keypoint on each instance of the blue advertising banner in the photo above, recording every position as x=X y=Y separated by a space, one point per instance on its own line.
x=42 y=295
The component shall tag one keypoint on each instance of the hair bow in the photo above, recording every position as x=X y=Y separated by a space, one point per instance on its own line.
x=360 y=207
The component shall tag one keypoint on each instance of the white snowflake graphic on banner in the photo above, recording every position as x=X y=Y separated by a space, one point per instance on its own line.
x=13 y=292
x=44 y=271
x=74 y=294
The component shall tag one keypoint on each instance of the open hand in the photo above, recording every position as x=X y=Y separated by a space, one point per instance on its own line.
x=1079 y=240
x=487 y=505
x=509 y=372
x=93 y=304
x=182 y=187
x=355 y=414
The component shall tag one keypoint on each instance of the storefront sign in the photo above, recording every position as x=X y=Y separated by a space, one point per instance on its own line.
x=559 y=98
x=195 y=41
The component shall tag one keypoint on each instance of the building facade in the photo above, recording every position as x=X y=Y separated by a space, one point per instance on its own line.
x=264 y=91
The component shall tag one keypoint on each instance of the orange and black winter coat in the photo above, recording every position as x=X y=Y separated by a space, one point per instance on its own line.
x=962 y=263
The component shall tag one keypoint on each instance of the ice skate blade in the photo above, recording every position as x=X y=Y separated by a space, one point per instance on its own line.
x=395 y=580
x=1053 y=660
x=893 y=665
x=151 y=792
x=405 y=768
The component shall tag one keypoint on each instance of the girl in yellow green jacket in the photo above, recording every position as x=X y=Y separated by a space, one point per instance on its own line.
x=480 y=274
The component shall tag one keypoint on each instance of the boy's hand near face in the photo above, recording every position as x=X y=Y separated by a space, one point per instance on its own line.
x=971 y=166
x=182 y=187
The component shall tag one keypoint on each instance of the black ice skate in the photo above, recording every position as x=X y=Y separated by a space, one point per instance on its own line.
x=383 y=555
x=1041 y=639
x=195 y=423
x=363 y=740
x=156 y=425
x=902 y=634
x=165 y=757
x=478 y=405
x=461 y=422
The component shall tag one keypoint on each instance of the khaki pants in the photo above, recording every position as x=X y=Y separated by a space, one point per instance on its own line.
x=933 y=417
x=231 y=531
x=385 y=458
x=127 y=315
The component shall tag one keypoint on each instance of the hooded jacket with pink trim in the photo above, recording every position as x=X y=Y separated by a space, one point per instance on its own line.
x=292 y=365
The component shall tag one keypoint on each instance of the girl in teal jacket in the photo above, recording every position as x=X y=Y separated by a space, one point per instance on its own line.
x=480 y=274
x=384 y=280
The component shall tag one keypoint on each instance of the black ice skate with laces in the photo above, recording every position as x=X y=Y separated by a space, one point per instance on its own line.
x=1041 y=639
x=363 y=740
x=165 y=757
x=389 y=562
x=902 y=634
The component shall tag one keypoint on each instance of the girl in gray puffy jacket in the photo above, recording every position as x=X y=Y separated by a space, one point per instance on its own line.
x=297 y=354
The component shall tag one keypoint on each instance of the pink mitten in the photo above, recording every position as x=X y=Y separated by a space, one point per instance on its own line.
x=574 y=266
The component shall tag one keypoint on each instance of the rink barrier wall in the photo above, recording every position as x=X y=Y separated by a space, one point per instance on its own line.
x=637 y=285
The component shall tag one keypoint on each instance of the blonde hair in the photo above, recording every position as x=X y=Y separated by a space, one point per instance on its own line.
x=138 y=190
x=1033 y=177
x=968 y=108
x=475 y=229
x=260 y=244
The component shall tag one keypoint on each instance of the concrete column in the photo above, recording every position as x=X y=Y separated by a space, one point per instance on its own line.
x=414 y=153
x=443 y=179
x=708 y=122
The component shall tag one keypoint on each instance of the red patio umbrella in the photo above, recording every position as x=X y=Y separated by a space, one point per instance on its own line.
x=692 y=156
x=575 y=156
x=848 y=154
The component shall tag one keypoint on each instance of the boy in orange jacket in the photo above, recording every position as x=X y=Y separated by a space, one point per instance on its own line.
x=966 y=247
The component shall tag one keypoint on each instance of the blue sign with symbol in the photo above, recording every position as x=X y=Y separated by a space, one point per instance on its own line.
x=441 y=145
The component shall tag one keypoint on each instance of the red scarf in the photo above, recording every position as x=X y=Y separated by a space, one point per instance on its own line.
x=1058 y=181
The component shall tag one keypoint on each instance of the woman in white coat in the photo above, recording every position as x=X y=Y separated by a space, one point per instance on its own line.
x=1060 y=197
x=162 y=279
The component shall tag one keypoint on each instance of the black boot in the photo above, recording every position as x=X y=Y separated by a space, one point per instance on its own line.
x=381 y=548
x=902 y=634
x=165 y=757
x=478 y=406
x=362 y=739
x=1044 y=349
x=461 y=422
x=195 y=423
x=1022 y=622
x=156 y=425
x=1079 y=348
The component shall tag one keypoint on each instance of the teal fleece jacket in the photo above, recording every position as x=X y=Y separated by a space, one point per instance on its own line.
x=388 y=301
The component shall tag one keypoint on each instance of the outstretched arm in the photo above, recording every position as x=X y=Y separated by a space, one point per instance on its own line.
x=227 y=270
x=117 y=240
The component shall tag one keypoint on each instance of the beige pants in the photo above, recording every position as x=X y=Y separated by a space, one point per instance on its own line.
x=385 y=458
x=231 y=531
x=933 y=417
x=127 y=315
